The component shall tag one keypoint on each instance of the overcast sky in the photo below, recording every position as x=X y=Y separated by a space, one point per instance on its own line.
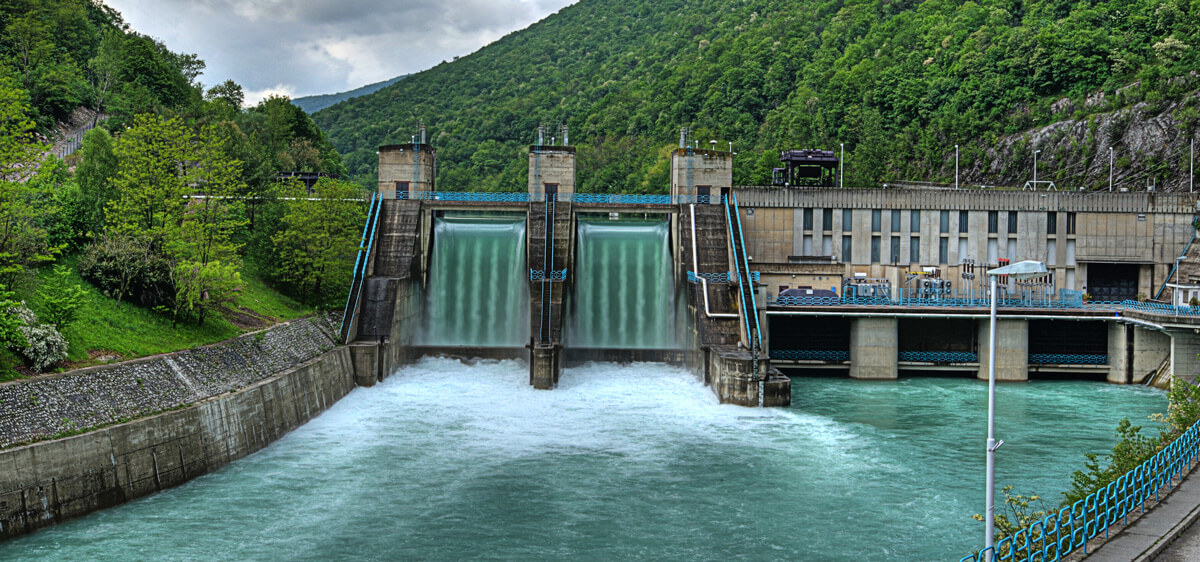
x=306 y=47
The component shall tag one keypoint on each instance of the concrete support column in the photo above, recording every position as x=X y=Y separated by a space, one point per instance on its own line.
x=545 y=366
x=1012 y=345
x=873 y=348
x=1118 y=352
x=1150 y=348
x=1185 y=347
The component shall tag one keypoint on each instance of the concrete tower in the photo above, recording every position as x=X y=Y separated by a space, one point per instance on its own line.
x=700 y=172
x=406 y=168
x=551 y=167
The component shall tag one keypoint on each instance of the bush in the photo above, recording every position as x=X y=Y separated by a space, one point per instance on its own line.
x=124 y=267
x=44 y=344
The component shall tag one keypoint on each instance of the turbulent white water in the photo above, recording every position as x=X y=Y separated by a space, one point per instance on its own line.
x=452 y=461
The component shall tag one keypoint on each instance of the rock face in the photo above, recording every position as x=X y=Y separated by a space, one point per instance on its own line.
x=1150 y=143
x=97 y=396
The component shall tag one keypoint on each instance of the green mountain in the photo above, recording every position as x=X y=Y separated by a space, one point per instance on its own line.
x=313 y=104
x=898 y=82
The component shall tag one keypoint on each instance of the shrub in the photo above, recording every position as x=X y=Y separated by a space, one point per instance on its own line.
x=44 y=344
x=124 y=267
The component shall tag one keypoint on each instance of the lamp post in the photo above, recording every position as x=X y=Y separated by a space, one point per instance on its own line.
x=1021 y=270
x=956 y=166
x=1035 y=153
x=1110 y=168
x=842 y=165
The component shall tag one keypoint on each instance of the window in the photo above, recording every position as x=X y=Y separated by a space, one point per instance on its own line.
x=993 y=222
x=401 y=190
x=944 y=222
x=827 y=220
x=896 y=220
x=875 y=249
x=847 y=246
x=914 y=221
x=1070 y=223
x=847 y=220
x=808 y=216
x=914 y=249
x=876 y=220
x=1012 y=222
x=944 y=251
x=963 y=222
x=1051 y=223
x=895 y=253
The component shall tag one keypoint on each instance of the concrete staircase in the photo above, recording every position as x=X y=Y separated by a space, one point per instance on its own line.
x=547 y=298
x=712 y=249
x=394 y=259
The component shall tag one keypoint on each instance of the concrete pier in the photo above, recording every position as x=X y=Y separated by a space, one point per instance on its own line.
x=873 y=344
x=1012 y=349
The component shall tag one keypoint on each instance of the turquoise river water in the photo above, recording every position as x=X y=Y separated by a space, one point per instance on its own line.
x=448 y=461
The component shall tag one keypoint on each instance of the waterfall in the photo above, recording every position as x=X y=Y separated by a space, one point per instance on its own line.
x=478 y=292
x=624 y=291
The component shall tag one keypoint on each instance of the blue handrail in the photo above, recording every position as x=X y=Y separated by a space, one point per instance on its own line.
x=356 y=279
x=750 y=275
x=738 y=271
x=1068 y=529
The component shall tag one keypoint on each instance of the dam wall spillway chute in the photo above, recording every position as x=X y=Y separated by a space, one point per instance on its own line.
x=624 y=287
x=477 y=287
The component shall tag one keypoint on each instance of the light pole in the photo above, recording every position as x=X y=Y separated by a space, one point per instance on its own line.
x=1035 y=153
x=1191 y=164
x=1110 y=168
x=1021 y=270
x=842 y=165
x=956 y=166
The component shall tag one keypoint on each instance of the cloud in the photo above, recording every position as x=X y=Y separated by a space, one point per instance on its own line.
x=311 y=47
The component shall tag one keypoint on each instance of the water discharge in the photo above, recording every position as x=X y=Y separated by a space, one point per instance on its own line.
x=451 y=461
x=624 y=290
x=478 y=288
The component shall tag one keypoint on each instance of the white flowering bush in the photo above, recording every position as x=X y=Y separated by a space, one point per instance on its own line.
x=44 y=344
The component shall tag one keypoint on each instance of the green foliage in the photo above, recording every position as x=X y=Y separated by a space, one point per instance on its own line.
x=123 y=266
x=61 y=299
x=1132 y=450
x=319 y=238
x=44 y=344
x=10 y=324
x=898 y=82
x=94 y=174
x=1018 y=512
x=204 y=287
x=24 y=202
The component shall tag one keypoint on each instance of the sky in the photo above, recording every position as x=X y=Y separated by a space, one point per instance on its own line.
x=307 y=47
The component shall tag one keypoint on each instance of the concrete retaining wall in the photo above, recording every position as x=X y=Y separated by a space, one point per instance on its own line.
x=50 y=481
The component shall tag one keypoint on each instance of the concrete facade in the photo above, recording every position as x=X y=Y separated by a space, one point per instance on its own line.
x=406 y=168
x=701 y=172
x=551 y=168
x=873 y=344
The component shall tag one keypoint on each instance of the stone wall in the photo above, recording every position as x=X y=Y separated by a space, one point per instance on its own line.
x=71 y=402
x=217 y=404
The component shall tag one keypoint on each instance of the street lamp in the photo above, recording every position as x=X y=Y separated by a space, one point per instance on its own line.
x=1035 y=153
x=1110 y=168
x=842 y=165
x=956 y=166
x=1027 y=269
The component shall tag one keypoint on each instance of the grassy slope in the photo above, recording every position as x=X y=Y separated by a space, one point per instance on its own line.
x=130 y=331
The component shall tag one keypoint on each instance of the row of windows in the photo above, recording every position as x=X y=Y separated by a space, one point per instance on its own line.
x=993 y=221
x=943 y=250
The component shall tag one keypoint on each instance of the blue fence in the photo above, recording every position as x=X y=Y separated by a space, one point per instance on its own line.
x=1068 y=359
x=1069 y=529
x=726 y=277
x=555 y=275
x=358 y=277
x=1073 y=300
x=582 y=198
x=939 y=356
x=810 y=354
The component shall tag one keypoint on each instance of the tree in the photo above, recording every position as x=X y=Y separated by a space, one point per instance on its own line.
x=61 y=298
x=104 y=68
x=201 y=288
x=152 y=180
x=23 y=203
x=94 y=174
x=320 y=236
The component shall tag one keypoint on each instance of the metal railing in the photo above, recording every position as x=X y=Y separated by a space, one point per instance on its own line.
x=753 y=275
x=810 y=354
x=360 y=266
x=583 y=198
x=1069 y=302
x=555 y=276
x=724 y=277
x=1068 y=359
x=939 y=356
x=747 y=313
x=1069 y=529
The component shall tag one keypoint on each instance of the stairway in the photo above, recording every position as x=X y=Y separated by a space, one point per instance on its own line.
x=548 y=226
x=712 y=256
x=746 y=298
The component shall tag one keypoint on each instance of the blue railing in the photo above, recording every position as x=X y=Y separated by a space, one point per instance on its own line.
x=747 y=313
x=583 y=198
x=939 y=356
x=725 y=277
x=753 y=311
x=555 y=276
x=1069 y=529
x=810 y=354
x=1071 y=301
x=1068 y=359
x=374 y=208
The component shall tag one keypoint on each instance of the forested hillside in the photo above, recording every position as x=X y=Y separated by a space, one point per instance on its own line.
x=313 y=104
x=899 y=82
x=169 y=227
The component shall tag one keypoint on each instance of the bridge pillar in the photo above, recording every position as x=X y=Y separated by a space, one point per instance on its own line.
x=1120 y=339
x=1185 y=347
x=1012 y=349
x=873 y=348
x=545 y=366
x=1151 y=348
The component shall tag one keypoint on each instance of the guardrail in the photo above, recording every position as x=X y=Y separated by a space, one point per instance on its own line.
x=939 y=356
x=1069 y=529
x=1068 y=359
x=555 y=276
x=725 y=277
x=374 y=208
x=982 y=302
x=810 y=354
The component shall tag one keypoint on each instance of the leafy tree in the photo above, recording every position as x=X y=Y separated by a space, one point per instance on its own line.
x=202 y=288
x=62 y=299
x=94 y=175
x=319 y=237
x=23 y=203
x=10 y=324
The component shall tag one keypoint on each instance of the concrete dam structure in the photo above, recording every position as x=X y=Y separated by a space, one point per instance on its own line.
x=737 y=282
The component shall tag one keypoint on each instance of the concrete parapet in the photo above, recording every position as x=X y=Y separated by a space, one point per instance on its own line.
x=731 y=372
x=545 y=366
x=873 y=348
x=52 y=481
x=1012 y=344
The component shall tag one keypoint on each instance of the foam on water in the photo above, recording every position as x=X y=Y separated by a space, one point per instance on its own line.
x=449 y=461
